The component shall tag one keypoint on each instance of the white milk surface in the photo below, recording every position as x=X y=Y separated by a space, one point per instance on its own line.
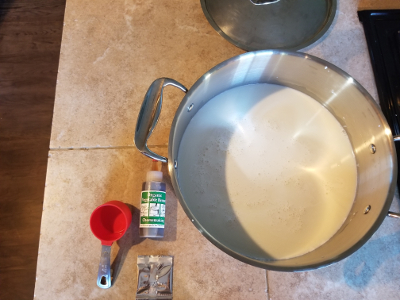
x=267 y=167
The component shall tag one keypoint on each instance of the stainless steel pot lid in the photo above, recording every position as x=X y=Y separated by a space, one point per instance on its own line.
x=270 y=24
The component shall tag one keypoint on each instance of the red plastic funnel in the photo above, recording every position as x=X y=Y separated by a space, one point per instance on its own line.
x=108 y=223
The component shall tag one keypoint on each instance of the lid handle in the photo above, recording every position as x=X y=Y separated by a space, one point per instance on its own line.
x=263 y=2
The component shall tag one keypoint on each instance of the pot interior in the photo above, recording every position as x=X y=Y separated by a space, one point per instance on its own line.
x=355 y=113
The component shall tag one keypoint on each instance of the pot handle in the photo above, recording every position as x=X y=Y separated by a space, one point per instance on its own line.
x=149 y=114
x=393 y=214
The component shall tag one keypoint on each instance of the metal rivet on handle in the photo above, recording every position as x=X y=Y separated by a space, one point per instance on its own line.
x=175 y=164
x=372 y=148
x=367 y=209
x=190 y=107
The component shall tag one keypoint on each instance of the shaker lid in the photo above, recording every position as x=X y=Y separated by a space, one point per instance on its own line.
x=270 y=24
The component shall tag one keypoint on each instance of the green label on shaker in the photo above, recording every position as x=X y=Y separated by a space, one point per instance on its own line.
x=152 y=209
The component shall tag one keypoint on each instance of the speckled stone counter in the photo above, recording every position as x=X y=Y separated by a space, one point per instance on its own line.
x=110 y=54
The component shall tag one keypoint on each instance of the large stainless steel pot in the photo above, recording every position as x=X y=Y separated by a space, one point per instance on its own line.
x=345 y=98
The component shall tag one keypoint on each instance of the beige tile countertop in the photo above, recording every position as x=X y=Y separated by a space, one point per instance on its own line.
x=110 y=54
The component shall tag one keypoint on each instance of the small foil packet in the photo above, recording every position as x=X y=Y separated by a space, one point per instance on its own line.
x=154 y=277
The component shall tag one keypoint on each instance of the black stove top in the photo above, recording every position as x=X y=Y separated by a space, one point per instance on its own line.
x=382 y=31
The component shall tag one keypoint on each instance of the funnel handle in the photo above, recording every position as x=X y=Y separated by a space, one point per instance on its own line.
x=104 y=274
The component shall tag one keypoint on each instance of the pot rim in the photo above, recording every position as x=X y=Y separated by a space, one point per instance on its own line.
x=267 y=263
